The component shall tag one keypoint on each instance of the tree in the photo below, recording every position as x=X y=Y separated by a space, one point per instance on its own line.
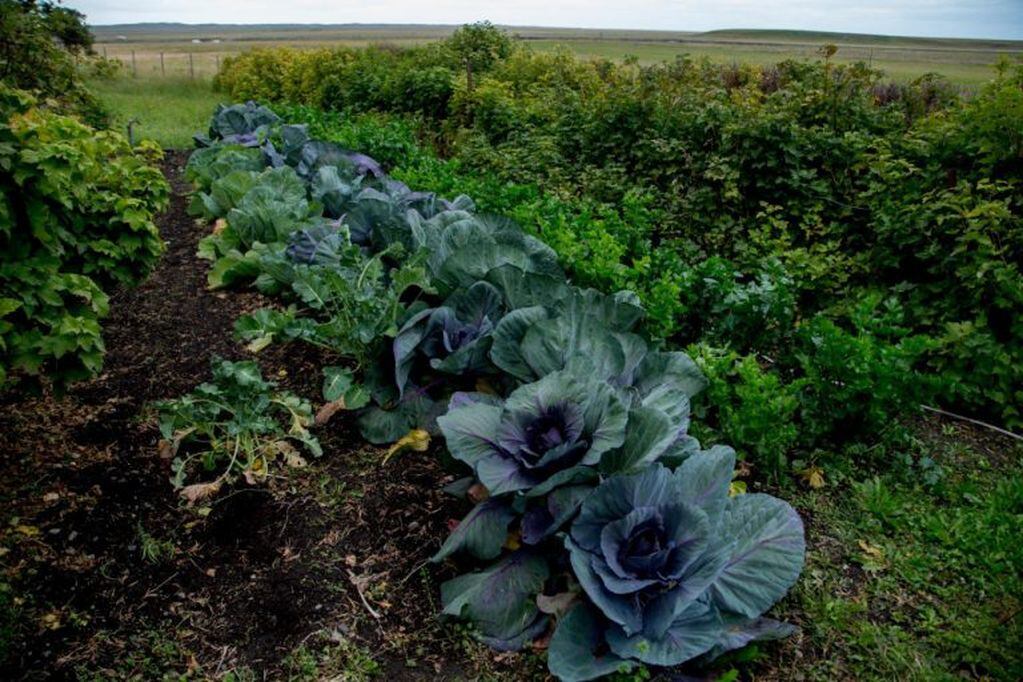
x=38 y=43
x=479 y=46
x=68 y=26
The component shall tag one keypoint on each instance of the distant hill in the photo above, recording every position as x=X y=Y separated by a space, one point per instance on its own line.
x=162 y=32
x=771 y=36
x=249 y=32
x=165 y=31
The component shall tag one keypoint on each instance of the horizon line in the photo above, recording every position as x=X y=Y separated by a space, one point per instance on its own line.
x=541 y=26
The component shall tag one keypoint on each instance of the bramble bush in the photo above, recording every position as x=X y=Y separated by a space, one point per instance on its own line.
x=76 y=221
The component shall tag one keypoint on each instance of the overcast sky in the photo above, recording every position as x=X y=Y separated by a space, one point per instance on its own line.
x=976 y=19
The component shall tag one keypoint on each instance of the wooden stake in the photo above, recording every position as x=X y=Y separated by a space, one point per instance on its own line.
x=163 y=71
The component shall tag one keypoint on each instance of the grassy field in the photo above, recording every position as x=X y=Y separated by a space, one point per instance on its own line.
x=171 y=50
x=166 y=110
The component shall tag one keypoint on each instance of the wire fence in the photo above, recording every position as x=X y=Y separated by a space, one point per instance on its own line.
x=142 y=63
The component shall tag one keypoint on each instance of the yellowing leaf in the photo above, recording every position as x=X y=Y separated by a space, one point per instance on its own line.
x=259 y=343
x=873 y=558
x=736 y=488
x=167 y=449
x=256 y=472
x=27 y=531
x=416 y=440
x=870 y=549
x=324 y=414
x=291 y=456
x=50 y=621
x=814 y=477
x=219 y=225
x=513 y=541
x=200 y=491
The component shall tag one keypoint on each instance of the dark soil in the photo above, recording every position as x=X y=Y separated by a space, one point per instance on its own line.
x=328 y=566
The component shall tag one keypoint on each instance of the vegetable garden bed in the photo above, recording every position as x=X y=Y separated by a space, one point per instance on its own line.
x=532 y=503
x=321 y=574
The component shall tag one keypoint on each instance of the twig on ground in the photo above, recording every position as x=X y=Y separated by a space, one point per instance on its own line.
x=358 y=588
x=415 y=569
x=155 y=590
x=220 y=663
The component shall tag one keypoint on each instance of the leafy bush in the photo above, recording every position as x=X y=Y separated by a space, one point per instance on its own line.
x=389 y=139
x=855 y=381
x=76 y=220
x=724 y=306
x=233 y=427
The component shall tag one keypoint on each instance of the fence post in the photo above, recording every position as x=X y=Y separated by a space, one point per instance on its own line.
x=104 y=52
x=191 y=67
x=163 y=71
x=134 y=69
x=218 y=63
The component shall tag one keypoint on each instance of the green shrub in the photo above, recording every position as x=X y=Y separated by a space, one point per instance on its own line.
x=858 y=378
x=389 y=139
x=76 y=220
x=39 y=43
x=751 y=407
x=726 y=308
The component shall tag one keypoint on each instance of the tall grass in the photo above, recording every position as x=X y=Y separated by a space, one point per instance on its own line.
x=166 y=110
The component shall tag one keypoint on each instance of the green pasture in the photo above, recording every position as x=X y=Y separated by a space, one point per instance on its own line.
x=180 y=51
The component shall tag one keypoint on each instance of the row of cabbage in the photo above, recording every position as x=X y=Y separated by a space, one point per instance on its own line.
x=597 y=517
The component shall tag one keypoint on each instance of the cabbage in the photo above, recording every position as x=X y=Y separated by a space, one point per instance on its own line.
x=453 y=338
x=466 y=248
x=271 y=210
x=243 y=124
x=675 y=567
x=225 y=193
x=548 y=433
x=324 y=244
x=601 y=516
